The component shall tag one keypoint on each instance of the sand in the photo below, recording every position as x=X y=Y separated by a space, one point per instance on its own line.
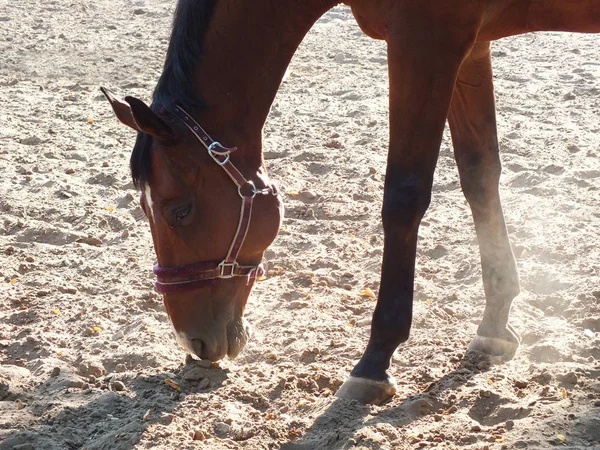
x=86 y=346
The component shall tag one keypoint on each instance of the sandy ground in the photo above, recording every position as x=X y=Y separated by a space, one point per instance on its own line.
x=85 y=344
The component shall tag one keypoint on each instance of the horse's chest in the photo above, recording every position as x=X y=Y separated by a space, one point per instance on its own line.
x=371 y=16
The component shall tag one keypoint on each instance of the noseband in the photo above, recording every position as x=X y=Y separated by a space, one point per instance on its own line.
x=191 y=276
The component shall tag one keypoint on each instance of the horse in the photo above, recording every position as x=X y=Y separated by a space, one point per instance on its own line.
x=213 y=210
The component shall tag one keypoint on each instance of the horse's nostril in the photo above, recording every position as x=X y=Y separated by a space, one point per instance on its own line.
x=199 y=347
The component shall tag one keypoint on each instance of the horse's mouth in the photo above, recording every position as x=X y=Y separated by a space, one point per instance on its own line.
x=213 y=347
x=238 y=334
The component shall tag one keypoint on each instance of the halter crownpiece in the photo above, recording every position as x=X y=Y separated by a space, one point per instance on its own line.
x=192 y=276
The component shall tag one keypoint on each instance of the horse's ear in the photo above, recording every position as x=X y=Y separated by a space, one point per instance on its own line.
x=121 y=109
x=148 y=121
x=137 y=115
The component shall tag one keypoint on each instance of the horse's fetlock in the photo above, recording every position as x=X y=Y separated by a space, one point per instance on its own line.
x=395 y=327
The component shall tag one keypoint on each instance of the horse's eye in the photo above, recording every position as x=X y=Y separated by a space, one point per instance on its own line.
x=182 y=213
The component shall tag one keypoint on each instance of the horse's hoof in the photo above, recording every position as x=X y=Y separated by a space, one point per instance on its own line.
x=367 y=391
x=498 y=350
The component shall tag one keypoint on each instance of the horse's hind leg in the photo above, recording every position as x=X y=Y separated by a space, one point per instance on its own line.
x=472 y=119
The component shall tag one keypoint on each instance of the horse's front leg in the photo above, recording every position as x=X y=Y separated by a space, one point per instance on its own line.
x=472 y=119
x=424 y=56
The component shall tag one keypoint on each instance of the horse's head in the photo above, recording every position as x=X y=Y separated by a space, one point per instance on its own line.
x=211 y=219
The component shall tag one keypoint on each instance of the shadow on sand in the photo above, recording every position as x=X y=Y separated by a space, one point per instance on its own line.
x=339 y=425
x=336 y=427
x=97 y=419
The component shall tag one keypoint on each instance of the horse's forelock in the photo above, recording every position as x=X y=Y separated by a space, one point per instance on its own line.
x=139 y=162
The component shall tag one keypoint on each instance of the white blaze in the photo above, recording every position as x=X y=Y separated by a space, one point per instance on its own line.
x=148 y=196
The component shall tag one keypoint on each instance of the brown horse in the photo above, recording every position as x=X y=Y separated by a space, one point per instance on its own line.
x=213 y=211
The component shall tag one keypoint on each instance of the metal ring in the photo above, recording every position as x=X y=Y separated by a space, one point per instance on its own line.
x=248 y=183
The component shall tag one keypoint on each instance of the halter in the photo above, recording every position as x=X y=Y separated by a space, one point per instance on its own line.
x=191 y=276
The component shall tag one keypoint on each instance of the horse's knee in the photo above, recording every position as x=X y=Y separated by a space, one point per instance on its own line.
x=405 y=200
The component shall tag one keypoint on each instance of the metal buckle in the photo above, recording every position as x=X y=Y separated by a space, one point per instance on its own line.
x=215 y=155
x=222 y=267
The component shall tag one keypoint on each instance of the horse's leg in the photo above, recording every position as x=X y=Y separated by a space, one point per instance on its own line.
x=472 y=119
x=424 y=56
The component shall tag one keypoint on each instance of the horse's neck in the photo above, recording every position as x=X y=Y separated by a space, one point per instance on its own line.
x=247 y=48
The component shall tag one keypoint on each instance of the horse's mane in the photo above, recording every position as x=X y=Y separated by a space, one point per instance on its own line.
x=176 y=83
